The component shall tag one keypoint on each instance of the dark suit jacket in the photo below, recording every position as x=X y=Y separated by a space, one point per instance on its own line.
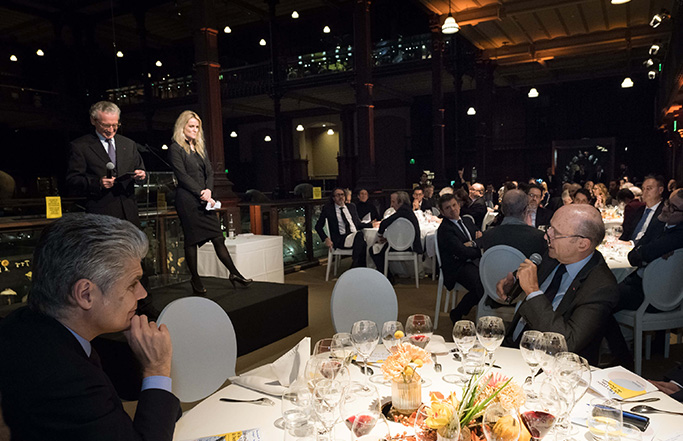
x=676 y=375
x=426 y=204
x=365 y=208
x=476 y=209
x=583 y=311
x=51 y=388
x=543 y=216
x=631 y=222
x=655 y=244
x=328 y=213
x=191 y=178
x=454 y=254
x=406 y=213
x=87 y=165
x=526 y=239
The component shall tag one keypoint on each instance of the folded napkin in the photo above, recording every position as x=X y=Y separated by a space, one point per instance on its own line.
x=275 y=378
x=437 y=345
x=216 y=206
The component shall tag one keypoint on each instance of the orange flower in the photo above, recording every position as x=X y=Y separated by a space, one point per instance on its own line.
x=401 y=364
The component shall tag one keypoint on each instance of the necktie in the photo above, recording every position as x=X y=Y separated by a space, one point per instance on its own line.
x=640 y=225
x=111 y=150
x=346 y=221
x=464 y=230
x=551 y=291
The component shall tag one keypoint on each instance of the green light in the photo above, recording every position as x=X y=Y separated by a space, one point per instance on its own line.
x=675 y=126
x=226 y=170
x=220 y=77
x=660 y=67
x=412 y=161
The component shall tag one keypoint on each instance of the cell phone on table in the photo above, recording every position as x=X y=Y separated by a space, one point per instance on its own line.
x=640 y=421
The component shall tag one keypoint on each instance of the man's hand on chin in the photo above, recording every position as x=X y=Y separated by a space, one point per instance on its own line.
x=151 y=346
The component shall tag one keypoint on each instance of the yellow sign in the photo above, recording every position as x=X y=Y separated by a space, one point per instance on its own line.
x=53 y=207
x=317 y=193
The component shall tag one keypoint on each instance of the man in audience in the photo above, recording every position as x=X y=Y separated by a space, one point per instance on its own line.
x=419 y=201
x=477 y=205
x=535 y=215
x=344 y=227
x=582 y=196
x=367 y=211
x=429 y=195
x=513 y=231
x=673 y=384
x=86 y=282
x=459 y=255
x=491 y=197
x=646 y=218
x=400 y=202
x=573 y=291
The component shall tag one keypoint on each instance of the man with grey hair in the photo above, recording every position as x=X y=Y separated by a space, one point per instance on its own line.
x=573 y=292
x=86 y=282
x=513 y=231
x=477 y=205
x=104 y=166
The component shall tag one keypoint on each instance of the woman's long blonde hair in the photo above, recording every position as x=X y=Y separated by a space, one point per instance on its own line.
x=179 y=135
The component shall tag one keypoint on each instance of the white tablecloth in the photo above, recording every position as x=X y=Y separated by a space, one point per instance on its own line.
x=212 y=416
x=615 y=255
x=257 y=257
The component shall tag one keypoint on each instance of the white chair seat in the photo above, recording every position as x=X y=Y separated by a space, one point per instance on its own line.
x=332 y=261
x=400 y=236
x=494 y=265
x=204 y=346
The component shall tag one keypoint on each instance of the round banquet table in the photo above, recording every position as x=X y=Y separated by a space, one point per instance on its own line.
x=212 y=417
x=616 y=256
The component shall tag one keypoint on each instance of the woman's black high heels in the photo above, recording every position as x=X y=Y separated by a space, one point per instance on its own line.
x=239 y=279
x=197 y=287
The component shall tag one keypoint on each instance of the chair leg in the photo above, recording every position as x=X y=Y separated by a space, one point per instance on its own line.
x=446 y=301
x=433 y=268
x=648 y=346
x=638 y=349
x=438 y=304
x=386 y=266
x=667 y=339
x=417 y=274
x=336 y=265
x=330 y=262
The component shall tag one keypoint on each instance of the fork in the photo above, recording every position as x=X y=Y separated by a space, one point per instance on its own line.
x=437 y=365
x=263 y=401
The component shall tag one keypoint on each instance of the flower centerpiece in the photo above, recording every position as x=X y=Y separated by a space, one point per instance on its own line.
x=401 y=368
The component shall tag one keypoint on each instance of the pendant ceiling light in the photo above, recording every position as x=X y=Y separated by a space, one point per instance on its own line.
x=628 y=82
x=449 y=25
x=533 y=93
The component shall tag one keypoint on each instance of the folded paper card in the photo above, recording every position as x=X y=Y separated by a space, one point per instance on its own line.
x=244 y=435
x=274 y=378
x=618 y=382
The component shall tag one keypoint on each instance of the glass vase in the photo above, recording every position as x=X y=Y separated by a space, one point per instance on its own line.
x=406 y=397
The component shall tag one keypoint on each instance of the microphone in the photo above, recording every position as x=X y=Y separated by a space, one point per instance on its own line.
x=516 y=288
x=110 y=167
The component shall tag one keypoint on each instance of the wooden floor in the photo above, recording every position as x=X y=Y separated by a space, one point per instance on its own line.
x=410 y=301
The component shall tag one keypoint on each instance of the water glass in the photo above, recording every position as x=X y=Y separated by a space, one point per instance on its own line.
x=392 y=333
x=605 y=419
x=500 y=424
x=464 y=337
x=490 y=332
x=419 y=330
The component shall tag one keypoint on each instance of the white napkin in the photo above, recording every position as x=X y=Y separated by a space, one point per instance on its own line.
x=366 y=219
x=437 y=345
x=216 y=206
x=274 y=378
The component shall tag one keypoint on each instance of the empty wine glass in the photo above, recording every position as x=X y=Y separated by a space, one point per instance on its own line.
x=360 y=407
x=324 y=346
x=605 y=419
x=529 y=347
x=464 y=336
x=490 y=332
x=345 y=346
x=539 y=413
x=327 y=397
x=419 y=330
x=552 y=344
x=500 y=424
x=572 y=375
x=365 y=337
x=392 y=333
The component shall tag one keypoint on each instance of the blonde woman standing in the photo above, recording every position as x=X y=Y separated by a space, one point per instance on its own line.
x=193 y=171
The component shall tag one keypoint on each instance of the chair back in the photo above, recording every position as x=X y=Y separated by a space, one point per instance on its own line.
x=435 y=211
x=362 y=294
x=663 y=282
x=495 y=264
x=400 y=234
x=388 y=212
x=470 y=218
x=204 y=346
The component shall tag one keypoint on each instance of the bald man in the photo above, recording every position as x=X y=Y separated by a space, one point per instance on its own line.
x=477 y=206
x=573 y=291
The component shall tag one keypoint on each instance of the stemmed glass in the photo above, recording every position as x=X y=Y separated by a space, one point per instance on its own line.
x=490 y=332
x=464 y=336
x=318 y=369
x=539 y=413
x=365 y=337
x=345 y=346
x=572 y=375
x=501 y=424
x=296 y=408
x=552 y=344
x=327 y=397
x=360 y=407
x=379 y=430
x=530 y=346
x=419 y=330
x=605 y=419
x=392 y=332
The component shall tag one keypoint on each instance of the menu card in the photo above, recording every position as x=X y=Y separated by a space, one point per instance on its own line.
x=618 y=382
x=244 y=435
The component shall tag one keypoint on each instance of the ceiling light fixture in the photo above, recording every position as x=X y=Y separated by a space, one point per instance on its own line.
x=233 y=134
x=649 y=62
x=330 y=132
x=533 y=93
x=40 y=52
x=13 y=58
x=627 y=83
x=327 y=30
x=262 y=42
x=158 y=63
x=164 y=147
x=227 y=29
x=299 y=128
x=449 y=25
x=471 y=111
x=652 y=74
x=619 y=2
x=119 y=54
x=295 y=15
x=267 y=138
x=654 y=49
x=657 y=19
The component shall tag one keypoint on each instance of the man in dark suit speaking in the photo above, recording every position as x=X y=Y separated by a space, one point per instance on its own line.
x=110 y=192
x=86 y=282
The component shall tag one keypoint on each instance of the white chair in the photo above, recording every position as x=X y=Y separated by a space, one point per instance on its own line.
x=388 y=212
x=400 y=236
x=663 y=288
x=204 y=347
x=494 y=265
x=362 y=294
x=331 y=260
x=470 y=217
x=440 y=287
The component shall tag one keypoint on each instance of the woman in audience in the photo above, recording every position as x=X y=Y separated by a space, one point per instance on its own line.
x=194 y=199
x=601 y=196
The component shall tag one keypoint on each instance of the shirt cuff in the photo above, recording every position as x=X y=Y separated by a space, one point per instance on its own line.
x=676 y=383
x=157 y=382
x=534 y=294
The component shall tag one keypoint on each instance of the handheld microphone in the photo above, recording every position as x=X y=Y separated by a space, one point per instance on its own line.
x=110 y=167
x=517 y=288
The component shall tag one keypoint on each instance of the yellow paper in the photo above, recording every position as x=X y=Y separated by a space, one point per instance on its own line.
x=53 y=207
x=317 y=193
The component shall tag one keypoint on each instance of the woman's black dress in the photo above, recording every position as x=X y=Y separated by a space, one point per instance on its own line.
x=194 y=174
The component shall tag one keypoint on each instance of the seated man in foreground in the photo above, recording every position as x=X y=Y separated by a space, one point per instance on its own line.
x=572 y=291
x=86 y=282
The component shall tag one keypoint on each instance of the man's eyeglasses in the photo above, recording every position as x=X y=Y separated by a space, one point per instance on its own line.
x=108 y=126
x=336 y=195
x=550 y=234
x=671 y=207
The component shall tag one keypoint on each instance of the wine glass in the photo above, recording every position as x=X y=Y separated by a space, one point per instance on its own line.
x=425 y=433
x=552 y=344
x=296 y=407
x=500 y=424
x=324 y=346
x=572 y=375
x=464 y=336
x=378 y=430
x=360 y=407
x=605 y=419
x=490 y=332
x=419 y=330
x=345 y=346
x=392 y=333
x=318 y=369
x=529 y=347
x=539 y=413
x=365 y=337
x=327 y=397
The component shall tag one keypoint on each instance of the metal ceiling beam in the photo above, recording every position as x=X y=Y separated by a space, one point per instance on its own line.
x=249 y=7
x=313 y=100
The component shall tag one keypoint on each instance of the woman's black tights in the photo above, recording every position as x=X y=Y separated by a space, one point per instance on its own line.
x=222 y=253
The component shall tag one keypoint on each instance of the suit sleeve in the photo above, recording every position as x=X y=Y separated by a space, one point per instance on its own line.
x=209 y=173
x=139 y=163
x=77 y=179
x=654 y=249
x=386 y=222
x=320 y=225
x=180 y=170
x=454 y=245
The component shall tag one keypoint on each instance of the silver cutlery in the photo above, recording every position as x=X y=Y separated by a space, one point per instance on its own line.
x=363 y=368
x=437 y=365
x=262 y=401
x=644 y=400
x=647 y=409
